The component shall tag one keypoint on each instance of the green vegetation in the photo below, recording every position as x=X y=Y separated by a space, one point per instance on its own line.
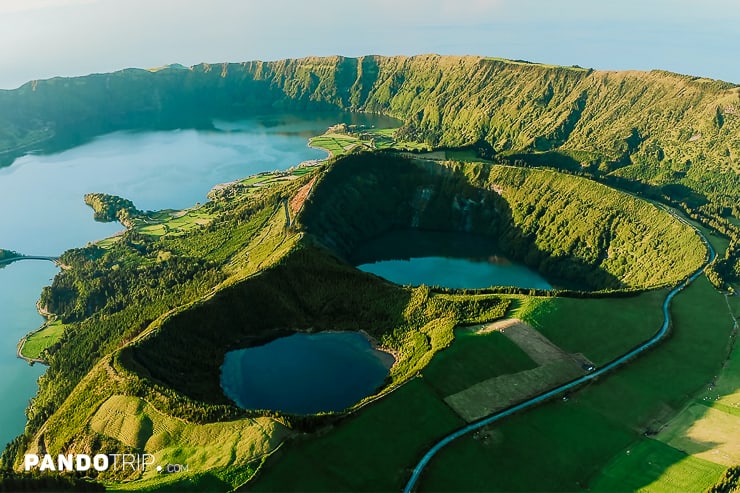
x=343 y=139
x=11 y=481
x=582 y=326
x=110 y=208
x=378 y=444
x=566 y=227
x=211 y=447
x=43 y=339
x=247 y=267
x=615 y=410
x=652 y=466
x=473 y=358
x=728 y=483
x=6 y=254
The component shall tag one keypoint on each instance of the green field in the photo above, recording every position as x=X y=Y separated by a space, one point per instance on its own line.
x=339 y=144
x=49 y=335
x=473 y=358
x=173 y=222
x=601 y=328
x=369 y=451
x=651 y=466
x=569 y=444
x=709 y=426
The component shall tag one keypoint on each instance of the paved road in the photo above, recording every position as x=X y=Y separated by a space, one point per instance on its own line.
x=574 y=383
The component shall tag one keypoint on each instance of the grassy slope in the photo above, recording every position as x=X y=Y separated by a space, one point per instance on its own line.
x=631 y=239
x=570 y=443
x=42 y=339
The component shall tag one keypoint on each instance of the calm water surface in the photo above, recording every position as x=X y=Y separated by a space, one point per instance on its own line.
x=305 y=373
x=451 y=260
x=20 y=284
x=41 y=197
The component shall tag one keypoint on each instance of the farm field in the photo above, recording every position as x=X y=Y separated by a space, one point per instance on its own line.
x=652 y=466
x=570 y=443
x=338 y=144
x=601 y=328
x=386 y=436
x=471 y=359
x=42 y=339
x=709 y=426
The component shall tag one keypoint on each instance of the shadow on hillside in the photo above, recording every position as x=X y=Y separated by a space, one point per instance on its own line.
x=368 y=196
x=310 y=291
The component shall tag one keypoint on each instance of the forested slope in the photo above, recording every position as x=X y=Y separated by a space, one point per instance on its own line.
x=567 y=227
x=654 y=126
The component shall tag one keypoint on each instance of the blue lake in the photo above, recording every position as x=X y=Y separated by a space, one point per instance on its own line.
x=305 y=373
x=41 y=196
x=450 y=260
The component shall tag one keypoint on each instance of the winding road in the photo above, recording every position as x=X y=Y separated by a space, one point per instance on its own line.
x=579 y=381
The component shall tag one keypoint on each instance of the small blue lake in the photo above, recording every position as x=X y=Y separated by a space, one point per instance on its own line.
x=305 y=373
x=450 y=260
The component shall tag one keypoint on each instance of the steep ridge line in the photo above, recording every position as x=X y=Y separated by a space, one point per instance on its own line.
x=662 y=332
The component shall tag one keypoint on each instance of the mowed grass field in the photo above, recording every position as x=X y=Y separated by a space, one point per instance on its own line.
x=474 y=358
x=709 y=426
x=336 y=144
x=637 y=468
x=602 y=328
x=173 y=222
x=42 y=339
x=569 y=446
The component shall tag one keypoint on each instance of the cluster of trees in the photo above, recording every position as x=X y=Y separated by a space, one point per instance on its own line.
x=6 y=254
x=713 y=214
x=728 y=483
x=16 y=482
x=108 y=208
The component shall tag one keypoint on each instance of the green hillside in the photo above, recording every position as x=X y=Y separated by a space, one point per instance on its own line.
x=570 y=228
x=149 y=315
x=671 y=137
x=654 y=126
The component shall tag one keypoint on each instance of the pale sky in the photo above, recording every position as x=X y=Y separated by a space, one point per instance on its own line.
x=46 y=38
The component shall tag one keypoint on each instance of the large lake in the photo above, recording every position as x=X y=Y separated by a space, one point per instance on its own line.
x=445 y=259
x=44 y=214
x=305 y=373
